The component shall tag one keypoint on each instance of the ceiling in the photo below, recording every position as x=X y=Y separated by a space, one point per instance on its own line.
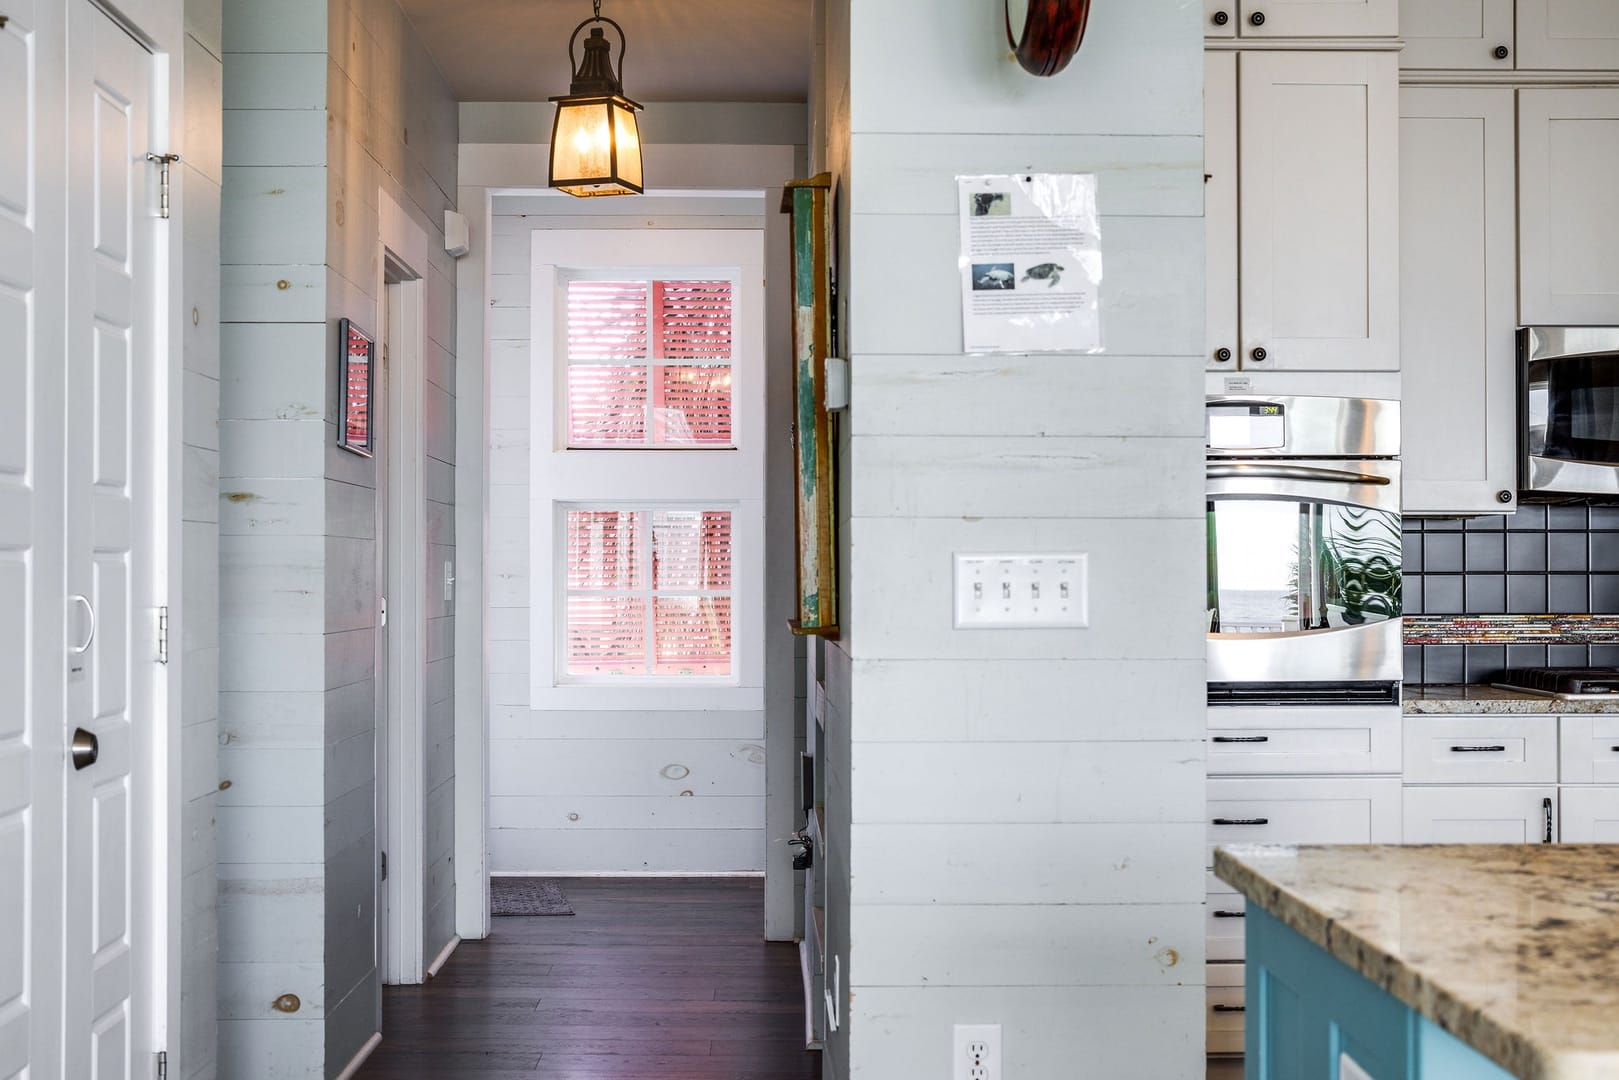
x=679 y=50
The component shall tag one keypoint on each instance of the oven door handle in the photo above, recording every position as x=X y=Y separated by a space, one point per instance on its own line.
x=1292 y=472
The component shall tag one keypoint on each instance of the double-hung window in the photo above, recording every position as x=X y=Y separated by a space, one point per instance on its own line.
x=647 y=401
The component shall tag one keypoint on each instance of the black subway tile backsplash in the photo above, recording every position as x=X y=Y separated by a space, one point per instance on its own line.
x=1539 y=560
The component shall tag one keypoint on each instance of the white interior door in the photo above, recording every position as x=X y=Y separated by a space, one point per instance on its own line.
x=380 y=417
x=112 y=502
x=30 y=546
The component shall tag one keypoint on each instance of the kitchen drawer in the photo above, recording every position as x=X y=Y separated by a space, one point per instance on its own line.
x=1244 y=741
x=1320 y=810
x=1481 y=749
x=1225 y=922
x=1590 y=748
x=1226 y=998
x=1469 y=814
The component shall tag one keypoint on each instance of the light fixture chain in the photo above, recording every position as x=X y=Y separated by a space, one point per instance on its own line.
x=596 y=5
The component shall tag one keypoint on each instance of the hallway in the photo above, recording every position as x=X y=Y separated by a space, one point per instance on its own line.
x=661 y=978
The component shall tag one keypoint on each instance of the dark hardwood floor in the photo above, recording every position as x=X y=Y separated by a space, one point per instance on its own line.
x=665 y=979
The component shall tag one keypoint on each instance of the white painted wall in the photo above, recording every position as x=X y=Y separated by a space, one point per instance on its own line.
x=1020 y=812
x=327 y=102
x=607 y=767
x=198 y=180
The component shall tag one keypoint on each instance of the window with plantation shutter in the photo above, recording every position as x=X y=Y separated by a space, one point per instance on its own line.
x=647 y=469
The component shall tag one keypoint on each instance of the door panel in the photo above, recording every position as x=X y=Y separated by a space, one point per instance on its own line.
x=1320 y=211
x=1320 y=18
x=1456 y=34
x=1590 y=815
x=1568 y=206
x=1478 y=815
x=1220 y=207
x=110 y=374
x=31 y=596
x=1568 y=34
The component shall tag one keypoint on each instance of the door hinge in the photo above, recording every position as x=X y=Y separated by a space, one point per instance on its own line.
x=383 y=859
x=163 y=634
x=162 y=1064
x=163 y=161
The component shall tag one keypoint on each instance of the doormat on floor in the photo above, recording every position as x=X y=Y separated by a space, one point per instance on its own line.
x=527 y=896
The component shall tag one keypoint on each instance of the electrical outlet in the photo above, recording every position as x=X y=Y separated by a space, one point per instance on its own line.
x=977 y=1053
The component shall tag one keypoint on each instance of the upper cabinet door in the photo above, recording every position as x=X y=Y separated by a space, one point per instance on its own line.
x=1320 y=211
x=1580 y=35
x=1568 y=207
x=1467 y=34
x=1320 y=18
x=1220 y=207
x=1458 y=292
x=1220 y=18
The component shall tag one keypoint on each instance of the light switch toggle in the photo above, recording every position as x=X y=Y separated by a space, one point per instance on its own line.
x=1035 y=591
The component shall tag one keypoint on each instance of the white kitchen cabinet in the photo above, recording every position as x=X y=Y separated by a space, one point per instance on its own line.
x=1220 y=18
x=1458 y=299
x=1501 y=749
x=1473 y=35
x=1578 y=35
x=1279 y=741
x=1224 y=994
x=1319 y=210
x=1589 y=748
x=1320 y=18
x=1220 y=207
x=1476 y=814
x=1319 y=810
x=1568 y=205
x=1590 y=815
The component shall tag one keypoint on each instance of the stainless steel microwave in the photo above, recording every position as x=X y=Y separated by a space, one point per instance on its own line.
x=1568 y=409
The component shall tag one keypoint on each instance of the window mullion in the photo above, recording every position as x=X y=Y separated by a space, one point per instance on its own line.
x=651 y=594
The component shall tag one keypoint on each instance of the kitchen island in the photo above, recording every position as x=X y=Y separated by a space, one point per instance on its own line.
x=1430 y=962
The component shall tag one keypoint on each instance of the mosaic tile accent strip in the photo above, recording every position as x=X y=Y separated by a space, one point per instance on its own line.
x=1512 y=629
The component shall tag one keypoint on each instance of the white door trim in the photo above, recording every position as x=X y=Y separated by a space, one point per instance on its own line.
x=402 y=253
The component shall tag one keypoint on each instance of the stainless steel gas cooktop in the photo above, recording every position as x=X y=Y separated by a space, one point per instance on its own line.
x=1567 y=684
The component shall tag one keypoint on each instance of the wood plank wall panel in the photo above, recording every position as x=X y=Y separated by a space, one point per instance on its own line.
x=1034 y=797
x=197 y=1053
x=326 y=103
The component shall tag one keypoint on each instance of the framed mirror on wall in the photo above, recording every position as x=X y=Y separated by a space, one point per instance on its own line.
x=356 y=380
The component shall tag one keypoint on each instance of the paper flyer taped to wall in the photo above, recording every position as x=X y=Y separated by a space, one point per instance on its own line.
x=1031 y=263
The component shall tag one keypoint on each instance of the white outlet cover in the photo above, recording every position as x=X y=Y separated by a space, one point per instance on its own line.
x=976 y=1052
x=1022 y=591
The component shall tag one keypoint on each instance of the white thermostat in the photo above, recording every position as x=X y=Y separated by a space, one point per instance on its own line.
x=1028 y=592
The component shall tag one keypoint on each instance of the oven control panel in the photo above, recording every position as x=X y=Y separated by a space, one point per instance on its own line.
x=1237 y=425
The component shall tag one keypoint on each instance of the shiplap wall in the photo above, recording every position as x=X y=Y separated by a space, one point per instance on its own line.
x=601 y=791
x=198 y=181
x=1024 y=808
x=327 y=102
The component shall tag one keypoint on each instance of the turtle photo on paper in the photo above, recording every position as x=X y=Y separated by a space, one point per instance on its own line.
x=994 y=276
x=1050 y=273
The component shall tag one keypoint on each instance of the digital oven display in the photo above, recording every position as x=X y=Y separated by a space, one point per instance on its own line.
x=1246 y=426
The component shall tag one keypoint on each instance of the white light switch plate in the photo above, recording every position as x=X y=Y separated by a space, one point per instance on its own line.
x=1012 y=592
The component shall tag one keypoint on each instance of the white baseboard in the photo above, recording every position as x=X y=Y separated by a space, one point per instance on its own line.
x=628 y=873
x=359 y=1059
x=443 y=956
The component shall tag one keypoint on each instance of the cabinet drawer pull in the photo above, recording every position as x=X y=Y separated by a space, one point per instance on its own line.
x=1256 y=739
x=1478 y=749
x=1230 y=914
x=1231 y=1008
x=1615 y=749
x=1242 y=821
x=1546 y=807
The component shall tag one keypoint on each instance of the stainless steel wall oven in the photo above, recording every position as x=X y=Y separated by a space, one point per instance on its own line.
x=1568 y=405
x=1303 y=550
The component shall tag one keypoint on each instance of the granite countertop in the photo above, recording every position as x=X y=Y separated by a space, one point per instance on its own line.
x=1514 y=949
x=1441 y=698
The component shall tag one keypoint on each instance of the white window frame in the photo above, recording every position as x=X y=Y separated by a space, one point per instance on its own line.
x=642 y=477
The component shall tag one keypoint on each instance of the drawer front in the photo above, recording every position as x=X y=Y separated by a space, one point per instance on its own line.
x=1468 y=814
x=1324 y=810
x=1590 y=749
x=1226 y=1000
x=1590 y=815
x=1481 y=749
x=1279 y=741
x=1226 y=920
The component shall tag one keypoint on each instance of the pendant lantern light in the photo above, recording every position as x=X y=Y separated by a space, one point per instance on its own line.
x=595 y=144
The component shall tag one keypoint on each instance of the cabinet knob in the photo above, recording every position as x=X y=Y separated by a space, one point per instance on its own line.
x=1502 y=52
x=1259 y=354
x=1221 y=18
x=1257 y=18
x=1503 y=496
x=1222 y=356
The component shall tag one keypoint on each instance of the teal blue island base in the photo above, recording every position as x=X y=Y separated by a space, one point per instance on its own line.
x=1310 y=1017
